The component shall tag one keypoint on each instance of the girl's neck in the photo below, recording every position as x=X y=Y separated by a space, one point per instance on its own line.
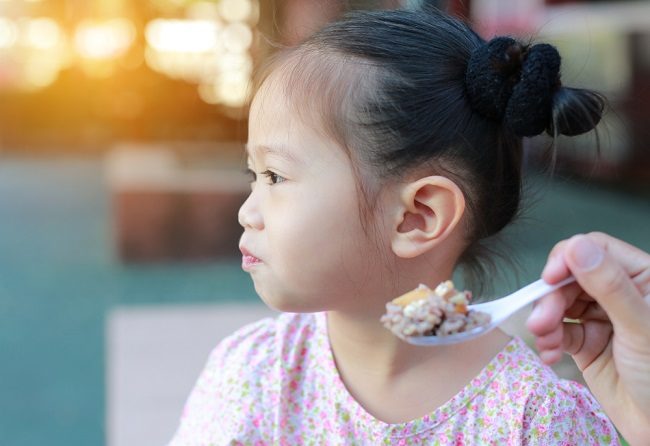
x=377 y=367
x=360 y=341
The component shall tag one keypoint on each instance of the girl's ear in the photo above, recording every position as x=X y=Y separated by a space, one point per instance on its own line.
x=428 y=211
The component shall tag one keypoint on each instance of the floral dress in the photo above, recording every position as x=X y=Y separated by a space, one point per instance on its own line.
x=275 y=382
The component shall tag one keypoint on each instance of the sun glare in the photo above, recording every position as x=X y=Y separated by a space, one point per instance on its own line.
x=104 y=40
x=202 y=42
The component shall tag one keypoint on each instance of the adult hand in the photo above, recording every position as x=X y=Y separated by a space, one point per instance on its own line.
x=611 y=341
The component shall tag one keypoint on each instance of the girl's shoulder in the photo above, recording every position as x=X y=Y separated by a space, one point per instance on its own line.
x=240 y=387
x=530 y=380
x=550 y=407
x=517 y=399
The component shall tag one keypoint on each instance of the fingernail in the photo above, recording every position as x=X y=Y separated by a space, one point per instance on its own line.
x=551 y=264
x=586 y=254
x=549 y=357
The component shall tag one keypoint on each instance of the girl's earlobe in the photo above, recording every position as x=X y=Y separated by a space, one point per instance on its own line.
x=428 y=213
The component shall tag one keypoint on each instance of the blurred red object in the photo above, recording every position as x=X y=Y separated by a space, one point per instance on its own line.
x=155 y=226
x=163 y=210
x=505 y=17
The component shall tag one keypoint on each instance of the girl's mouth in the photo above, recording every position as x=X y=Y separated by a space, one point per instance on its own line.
x=248 y=262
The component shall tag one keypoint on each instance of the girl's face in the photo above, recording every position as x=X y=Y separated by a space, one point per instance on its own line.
x=303 y=242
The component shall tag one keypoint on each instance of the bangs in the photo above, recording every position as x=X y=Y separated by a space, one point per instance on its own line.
x=325 y=90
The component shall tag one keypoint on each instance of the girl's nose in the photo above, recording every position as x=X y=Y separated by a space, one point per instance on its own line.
x=249 y=215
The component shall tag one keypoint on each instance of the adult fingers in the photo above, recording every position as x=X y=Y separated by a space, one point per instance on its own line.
x=586 y=342
x=586 y=310
x=555 y=268
x=634 y=261
x=582 y=311
x=551 y=340
x=550 y=357
x=549 y=311
x=602 y=277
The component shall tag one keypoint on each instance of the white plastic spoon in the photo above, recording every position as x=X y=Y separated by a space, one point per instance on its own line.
x=499 y=310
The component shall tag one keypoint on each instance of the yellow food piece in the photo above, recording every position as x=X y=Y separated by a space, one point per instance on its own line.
x=413 y=295
x=460 y=308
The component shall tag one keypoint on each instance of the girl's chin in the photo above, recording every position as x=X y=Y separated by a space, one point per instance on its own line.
x=288 y=304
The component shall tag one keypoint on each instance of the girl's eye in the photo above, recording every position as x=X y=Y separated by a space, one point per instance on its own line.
x=273 y=177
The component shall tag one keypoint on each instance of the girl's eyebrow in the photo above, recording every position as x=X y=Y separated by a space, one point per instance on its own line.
x=280 y=152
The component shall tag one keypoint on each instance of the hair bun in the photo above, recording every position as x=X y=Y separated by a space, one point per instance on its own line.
x=492 y=72
x=530 y=108
x=576 y=111
x=507 y=81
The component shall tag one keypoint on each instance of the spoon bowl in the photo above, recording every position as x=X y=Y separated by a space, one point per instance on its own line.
x=499 y=310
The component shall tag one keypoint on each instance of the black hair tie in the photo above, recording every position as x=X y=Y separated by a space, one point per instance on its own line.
x=507 y=81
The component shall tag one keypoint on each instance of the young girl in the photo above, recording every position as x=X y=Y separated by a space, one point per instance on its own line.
x=384 y=150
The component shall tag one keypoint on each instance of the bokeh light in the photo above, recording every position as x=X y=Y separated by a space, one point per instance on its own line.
x=236 y=10
x=205 y=43
x=8 y=33
x=182 y=36
x=211 y=48
x=40 y=72
x=34 y=50
x=203 y=10
x=237 y=37
x=42 y=33
x=104 y=40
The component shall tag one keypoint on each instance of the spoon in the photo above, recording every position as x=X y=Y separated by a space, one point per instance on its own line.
x=499 y=310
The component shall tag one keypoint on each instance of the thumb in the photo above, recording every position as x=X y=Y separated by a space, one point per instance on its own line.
x=602 y=277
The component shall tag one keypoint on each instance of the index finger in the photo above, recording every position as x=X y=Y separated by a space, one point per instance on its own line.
x=556 y=268
x=603 y=276
x=550 y=310
x=634 y=261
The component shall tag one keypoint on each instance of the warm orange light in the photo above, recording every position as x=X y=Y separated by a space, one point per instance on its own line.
x=182 y=36
x=233 y=88
x=40 y=72
x=236 y=10
x=210 y=48
x=42 y=33
x=104 y=40
x=236 y=63
x=203 y=10
x=237 y=37
x=8 y=33
x=37 y=51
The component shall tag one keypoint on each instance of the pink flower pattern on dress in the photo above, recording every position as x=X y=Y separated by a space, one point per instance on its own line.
x=275 y=382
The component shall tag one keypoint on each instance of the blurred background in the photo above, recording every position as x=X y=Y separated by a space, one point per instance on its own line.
x=121 y=133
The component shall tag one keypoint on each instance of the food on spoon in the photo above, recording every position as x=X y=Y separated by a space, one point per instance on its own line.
x=427 y=312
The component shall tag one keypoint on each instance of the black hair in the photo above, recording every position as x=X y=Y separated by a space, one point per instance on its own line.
x=404 y=90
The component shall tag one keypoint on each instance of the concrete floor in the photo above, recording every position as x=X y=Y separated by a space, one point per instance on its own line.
x=154 y=356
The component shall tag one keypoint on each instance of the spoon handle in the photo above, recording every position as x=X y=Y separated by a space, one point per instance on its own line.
x=532 y=292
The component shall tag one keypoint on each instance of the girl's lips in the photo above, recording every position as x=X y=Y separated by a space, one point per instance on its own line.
x=248 y=262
